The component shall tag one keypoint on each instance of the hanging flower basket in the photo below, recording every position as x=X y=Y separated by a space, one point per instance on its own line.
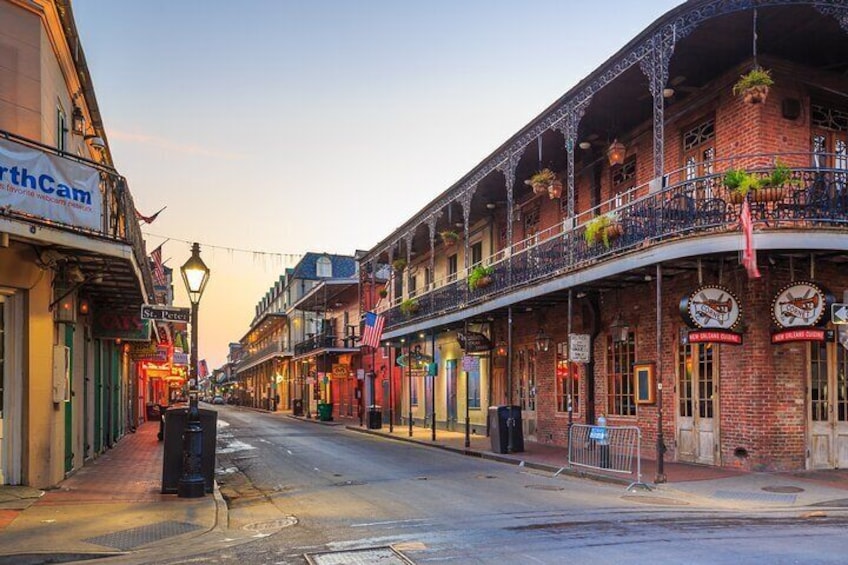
x=605 y=228
x=383 y=293
x=409 y=307
x=754 y=86
x=399 y=265
x=545 y=182
x=449 y=238
x=480 y=277
x=769 y=194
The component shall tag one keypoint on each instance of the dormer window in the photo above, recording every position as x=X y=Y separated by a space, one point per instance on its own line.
x=324 y=267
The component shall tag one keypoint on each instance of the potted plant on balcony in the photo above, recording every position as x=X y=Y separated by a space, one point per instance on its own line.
x=753 y=86
x=449 y=237
x=399 y=265
x=773 y=187
x=605 y=228
x=383 y=292
x=545 y=181
x=738 y=184
x=480 y=277
x=409 y=306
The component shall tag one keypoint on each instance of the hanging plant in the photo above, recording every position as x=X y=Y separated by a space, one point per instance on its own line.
x=605 y=228
x=409 y=307
x=738 y=184
x=545 y=181
x=480 y=277
x=383 y=292
x=754 y=86
x=449 y=237
x=399 y=265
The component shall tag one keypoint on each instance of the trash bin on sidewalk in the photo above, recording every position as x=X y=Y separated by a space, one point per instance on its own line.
x=172 y=460
x=297 y=407
x=375 y=417
x=502 y=419
x=325 y=411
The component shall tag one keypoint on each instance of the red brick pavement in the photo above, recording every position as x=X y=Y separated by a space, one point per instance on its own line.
x=130 y=472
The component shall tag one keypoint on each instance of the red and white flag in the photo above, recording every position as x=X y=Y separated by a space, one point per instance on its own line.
x=749 y=254
x=373 y=330
x=148 y=219
x=158 y=268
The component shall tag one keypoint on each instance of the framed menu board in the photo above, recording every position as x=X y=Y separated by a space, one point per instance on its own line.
x=646 y=383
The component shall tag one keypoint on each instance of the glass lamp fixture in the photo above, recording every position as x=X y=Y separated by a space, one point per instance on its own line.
x=543 y=341
x=616 y=152
x=195 y=274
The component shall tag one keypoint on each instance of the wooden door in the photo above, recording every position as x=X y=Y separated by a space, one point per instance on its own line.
x=697 y=406
x=527 y=391
x=828 y=406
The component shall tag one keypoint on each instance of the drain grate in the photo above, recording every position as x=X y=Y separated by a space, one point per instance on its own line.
x=381 y=555
x=349 y=484
x=271 y=525
x=134 y=537
x=755 y=496
x=660 y=500
x=544 y=487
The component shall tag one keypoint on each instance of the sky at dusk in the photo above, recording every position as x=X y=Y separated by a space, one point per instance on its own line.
x=271 y=128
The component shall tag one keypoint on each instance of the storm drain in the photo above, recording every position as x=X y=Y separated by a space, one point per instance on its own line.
x=370 y=556
x=544 y=487
x=755 y=496
x=786 y=489
x=134 y=537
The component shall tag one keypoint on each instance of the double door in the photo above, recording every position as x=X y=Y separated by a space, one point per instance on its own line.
x=526 y=372
x=697 y=404
x=828 y=406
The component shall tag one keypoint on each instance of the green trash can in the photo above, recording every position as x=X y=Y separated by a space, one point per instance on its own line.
x=325 y=412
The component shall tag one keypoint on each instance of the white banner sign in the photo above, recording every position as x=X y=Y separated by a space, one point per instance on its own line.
x=49 y=186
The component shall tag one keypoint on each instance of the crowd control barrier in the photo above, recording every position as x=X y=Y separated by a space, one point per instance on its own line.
x=607 y=448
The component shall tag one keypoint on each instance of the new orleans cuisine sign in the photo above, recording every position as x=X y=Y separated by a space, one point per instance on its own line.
x=49 y=186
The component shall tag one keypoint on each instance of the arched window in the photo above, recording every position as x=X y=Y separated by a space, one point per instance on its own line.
x=324 y=267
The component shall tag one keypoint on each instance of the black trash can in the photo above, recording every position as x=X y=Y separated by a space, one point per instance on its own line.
x=502 y=420
x=375 y=418
x=297 y=407
x=172 y=461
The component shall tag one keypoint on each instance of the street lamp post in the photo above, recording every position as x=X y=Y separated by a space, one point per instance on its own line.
x=192 y=485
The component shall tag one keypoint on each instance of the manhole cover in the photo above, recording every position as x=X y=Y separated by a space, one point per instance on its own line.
x=786 y=489
x=381 y=555
x=271 y=525
x=544 y=487
x=655 y=500
x=349 y=483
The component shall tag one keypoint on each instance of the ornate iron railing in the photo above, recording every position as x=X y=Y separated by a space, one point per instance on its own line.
x=690 y=207
x=325 y=341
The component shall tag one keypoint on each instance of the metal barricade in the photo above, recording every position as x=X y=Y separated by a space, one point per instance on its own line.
x=607 y=448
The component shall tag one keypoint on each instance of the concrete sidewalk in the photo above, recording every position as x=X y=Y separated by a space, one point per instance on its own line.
x=824 y=490
x=109 y=507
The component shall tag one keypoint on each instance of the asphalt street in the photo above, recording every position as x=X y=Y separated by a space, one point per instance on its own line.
x=343 y=497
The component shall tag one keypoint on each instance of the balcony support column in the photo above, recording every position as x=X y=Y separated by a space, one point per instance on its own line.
x=431 y=224
x=466 y=220
x=655 y=67
x=507 y=167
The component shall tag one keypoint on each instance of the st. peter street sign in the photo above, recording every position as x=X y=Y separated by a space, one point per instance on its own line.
x=164 y=313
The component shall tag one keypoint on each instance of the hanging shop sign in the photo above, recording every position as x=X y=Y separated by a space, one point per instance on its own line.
x=711 y=307
x=49 y=186
x=180 y=358
x=474 y=342
x=800 y=304
x=126 y=327
x=340 y=371
x=803 y=334
x=470 y=363
x=579 y=348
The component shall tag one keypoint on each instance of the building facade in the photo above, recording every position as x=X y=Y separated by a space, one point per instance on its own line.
x=597 y=262
x=73 y=268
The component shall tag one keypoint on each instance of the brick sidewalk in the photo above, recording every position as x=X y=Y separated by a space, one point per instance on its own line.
x=129 y=472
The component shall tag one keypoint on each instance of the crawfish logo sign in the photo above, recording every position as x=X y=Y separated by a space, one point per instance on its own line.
x=800 y=304
x=711 y=307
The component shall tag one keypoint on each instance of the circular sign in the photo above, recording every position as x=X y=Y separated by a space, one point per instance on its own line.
x=799 y=304
x=711 y=307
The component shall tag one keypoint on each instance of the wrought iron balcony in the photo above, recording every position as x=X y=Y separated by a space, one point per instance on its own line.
x=267 y=352
x=325 y=341
x=691 y=207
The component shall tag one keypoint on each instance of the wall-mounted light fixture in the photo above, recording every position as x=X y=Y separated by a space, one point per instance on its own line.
x=616 y=152
x=501 y=349
x=543 y=341
x=584 y=145
x=77 y=121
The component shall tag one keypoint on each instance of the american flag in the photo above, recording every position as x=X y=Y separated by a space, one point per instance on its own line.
x=148 y=219
x=373 y=329
x=749 y=255
x=158 y=268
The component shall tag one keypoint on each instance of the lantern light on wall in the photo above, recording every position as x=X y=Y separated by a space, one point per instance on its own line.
x=619 y=330
x=501 y=349
x=616 y=152
x=543 y=341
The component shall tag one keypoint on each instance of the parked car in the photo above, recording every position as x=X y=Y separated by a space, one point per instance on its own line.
x=218 y=400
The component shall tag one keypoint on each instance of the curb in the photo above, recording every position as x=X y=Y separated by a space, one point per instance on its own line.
x=488 y=455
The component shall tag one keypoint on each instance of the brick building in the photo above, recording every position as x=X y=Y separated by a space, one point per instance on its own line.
x=636 y=243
